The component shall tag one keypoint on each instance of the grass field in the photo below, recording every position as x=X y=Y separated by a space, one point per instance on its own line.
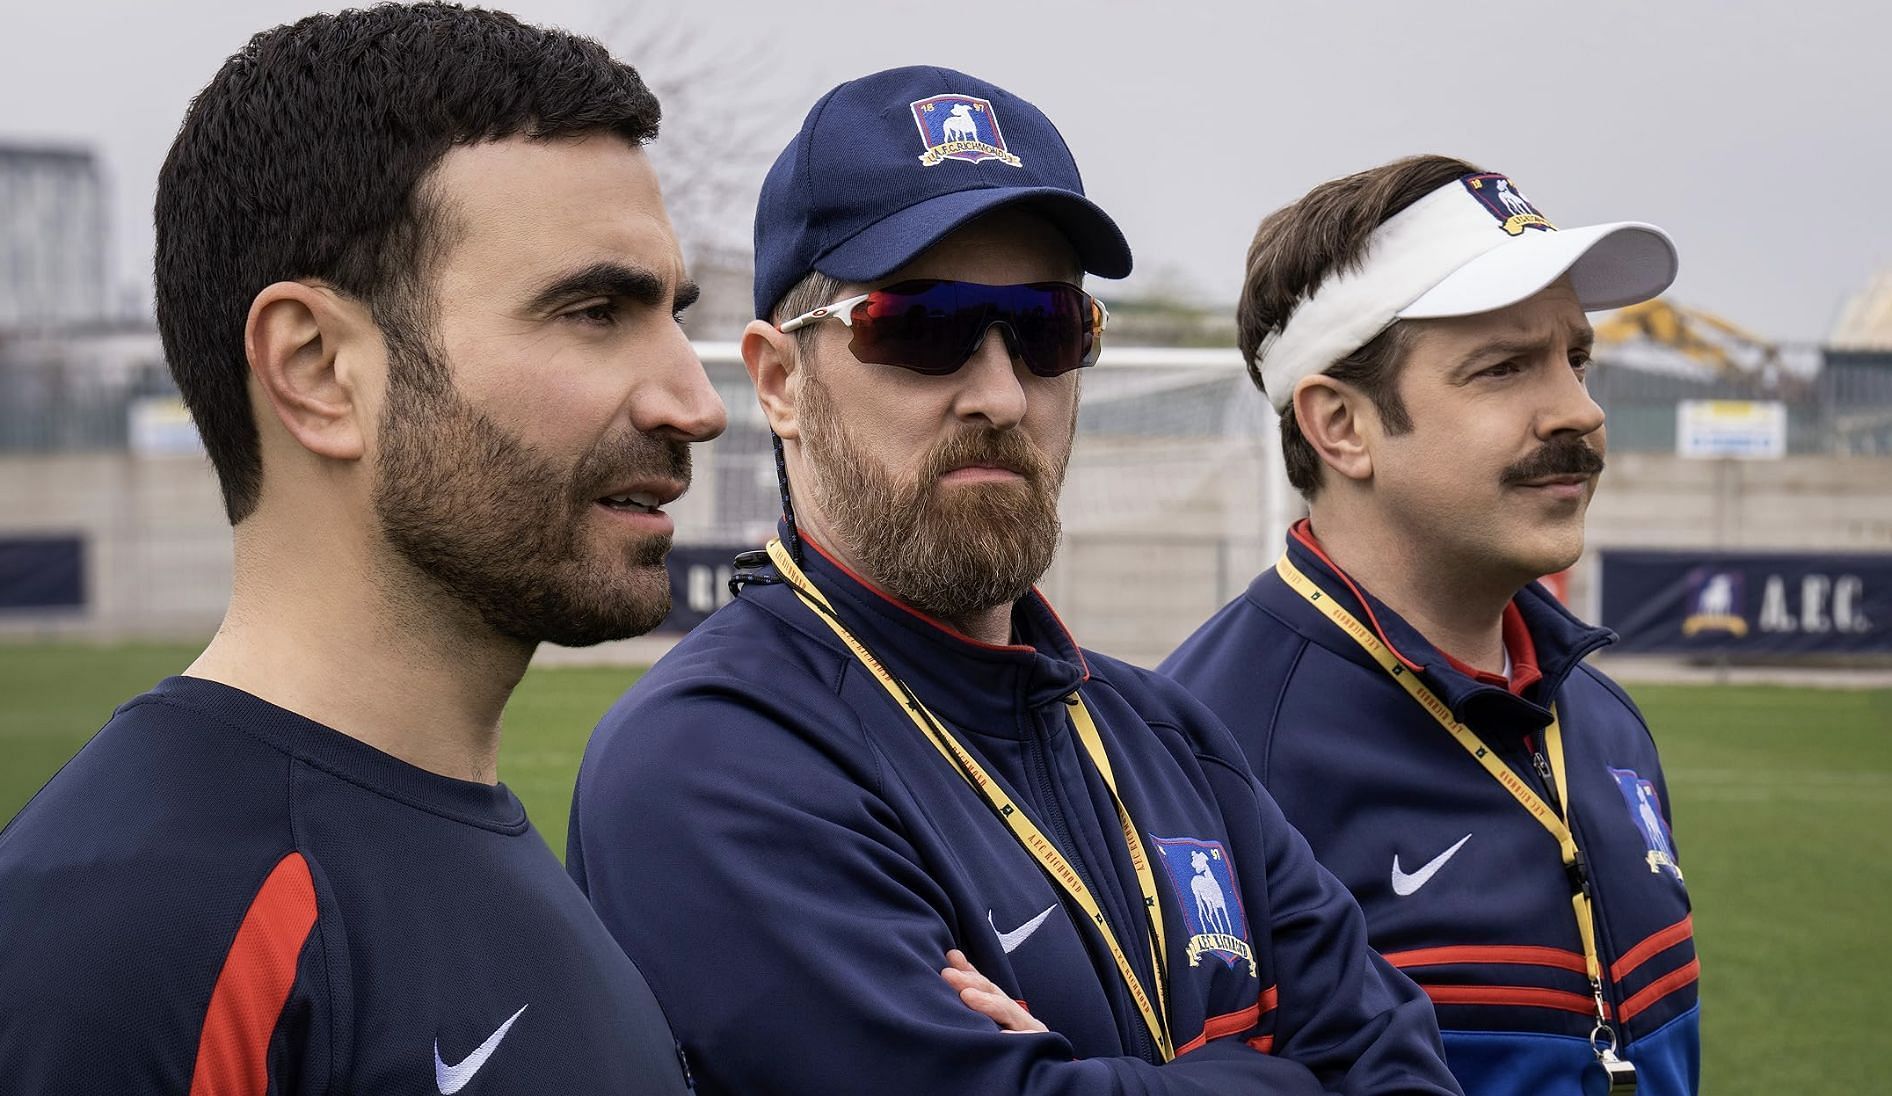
x=1783 y=804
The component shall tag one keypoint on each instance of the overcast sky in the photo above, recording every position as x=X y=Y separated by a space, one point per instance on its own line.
x=1757 y=134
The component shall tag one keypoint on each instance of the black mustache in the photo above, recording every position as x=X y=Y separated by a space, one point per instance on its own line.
x=664 y=457
x=1572 y=457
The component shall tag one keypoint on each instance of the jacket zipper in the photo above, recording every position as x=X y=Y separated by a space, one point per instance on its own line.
x=1061 y=835
x=1582 y=877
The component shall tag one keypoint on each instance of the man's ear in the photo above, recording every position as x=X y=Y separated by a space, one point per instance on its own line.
x=771 y=358
x=303 y=342
x=1339 y=422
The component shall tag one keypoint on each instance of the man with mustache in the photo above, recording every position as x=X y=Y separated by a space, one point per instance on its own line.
x=1417 y=703
x=879 y=825
x=417 y=285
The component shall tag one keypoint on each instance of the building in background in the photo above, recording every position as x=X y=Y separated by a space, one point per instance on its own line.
x=1866 y=321
x=52 y=237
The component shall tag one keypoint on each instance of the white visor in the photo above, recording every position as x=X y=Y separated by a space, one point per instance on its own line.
x=1474 y=245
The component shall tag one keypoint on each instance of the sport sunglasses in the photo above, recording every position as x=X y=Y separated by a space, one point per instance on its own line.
x=934 y=326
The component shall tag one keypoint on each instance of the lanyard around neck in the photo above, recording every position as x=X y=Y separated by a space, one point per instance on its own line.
x=1554 y=820
x=1027 y=833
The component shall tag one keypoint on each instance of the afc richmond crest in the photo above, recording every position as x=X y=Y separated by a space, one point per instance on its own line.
x=1211 y=904
x=1645 y=810
x=1715 y=603
x=960 y=127
x=1502 y=199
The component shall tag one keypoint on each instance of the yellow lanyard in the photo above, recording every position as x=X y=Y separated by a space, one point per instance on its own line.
x=1023 y=828
x=1557 y=823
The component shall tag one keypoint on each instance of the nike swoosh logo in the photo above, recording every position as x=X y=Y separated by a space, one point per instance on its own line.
x=451 y=1079
x=1404 y=884
x=1010 y=940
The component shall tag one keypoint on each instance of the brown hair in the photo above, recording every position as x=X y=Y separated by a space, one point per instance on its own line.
x=1300 y=246
x=813 y=291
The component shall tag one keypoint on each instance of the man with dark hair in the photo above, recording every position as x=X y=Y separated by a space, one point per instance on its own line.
x=879 y=825
x=417 y=285
x=1411 y=696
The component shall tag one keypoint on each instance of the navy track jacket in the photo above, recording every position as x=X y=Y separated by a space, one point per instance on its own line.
x=221 y=898
x=788 y=860
x=1462 y=888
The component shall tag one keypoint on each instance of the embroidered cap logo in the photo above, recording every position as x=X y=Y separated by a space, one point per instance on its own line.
x=960 y=127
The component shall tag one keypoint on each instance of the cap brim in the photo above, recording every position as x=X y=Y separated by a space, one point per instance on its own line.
x=1609 y=266
x=897 y=239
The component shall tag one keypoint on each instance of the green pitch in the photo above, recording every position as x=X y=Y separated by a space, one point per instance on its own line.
x=1783 y=806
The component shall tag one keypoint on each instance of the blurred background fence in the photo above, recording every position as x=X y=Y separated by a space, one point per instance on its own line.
x=1174 y=499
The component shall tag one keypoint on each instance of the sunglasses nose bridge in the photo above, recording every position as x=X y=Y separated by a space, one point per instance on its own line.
x=1013 y=345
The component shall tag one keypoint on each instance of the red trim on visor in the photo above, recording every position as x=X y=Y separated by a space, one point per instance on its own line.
x=254 y=984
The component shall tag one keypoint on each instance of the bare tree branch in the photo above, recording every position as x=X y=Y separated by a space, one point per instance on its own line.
x=725 y=118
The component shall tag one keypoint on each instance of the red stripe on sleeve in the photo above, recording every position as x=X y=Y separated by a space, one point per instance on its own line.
x=254 y=984
x=1527 y=996
x=1657 y=942
x=1233 y=1023
x=1522 y=954
x=1681 y=976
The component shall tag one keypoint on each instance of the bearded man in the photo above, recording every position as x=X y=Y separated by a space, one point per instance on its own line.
x=880 y=825
x=417 y=285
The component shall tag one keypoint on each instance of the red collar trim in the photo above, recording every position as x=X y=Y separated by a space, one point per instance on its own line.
x=1483 y=677
x=1517 y=637
x=1083 y=664
x=1517 y=640
x=910 y=610
x=1523 y=651
x=1303 y=531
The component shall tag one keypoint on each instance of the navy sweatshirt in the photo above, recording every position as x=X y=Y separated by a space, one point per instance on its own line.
x=788 y=860
x=1462 y=888
x=219 y=897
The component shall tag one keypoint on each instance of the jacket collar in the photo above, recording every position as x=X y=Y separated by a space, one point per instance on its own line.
x=976 y=686
x=1558 y=639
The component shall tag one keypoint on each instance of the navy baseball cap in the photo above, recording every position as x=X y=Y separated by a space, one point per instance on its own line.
x=887 y=165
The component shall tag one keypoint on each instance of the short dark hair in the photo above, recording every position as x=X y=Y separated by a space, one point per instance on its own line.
x=307 y=156
x=1300 y=246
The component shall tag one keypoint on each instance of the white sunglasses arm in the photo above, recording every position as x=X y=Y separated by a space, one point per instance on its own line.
x=840 y=310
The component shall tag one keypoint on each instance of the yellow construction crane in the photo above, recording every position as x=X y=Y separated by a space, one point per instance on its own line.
x=1701 y=337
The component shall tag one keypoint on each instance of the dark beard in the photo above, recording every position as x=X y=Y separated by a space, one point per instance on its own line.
x=500 y=529
x=949 y=554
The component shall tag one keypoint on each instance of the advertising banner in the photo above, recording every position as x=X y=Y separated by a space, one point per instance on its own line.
x=699 y=582
x=42 y=572
x=1741 y=603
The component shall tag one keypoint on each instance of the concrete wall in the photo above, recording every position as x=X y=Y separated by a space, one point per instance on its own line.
x=1157 y=534
x=1798 y=504
x=157 y=546
x=1137 y=588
